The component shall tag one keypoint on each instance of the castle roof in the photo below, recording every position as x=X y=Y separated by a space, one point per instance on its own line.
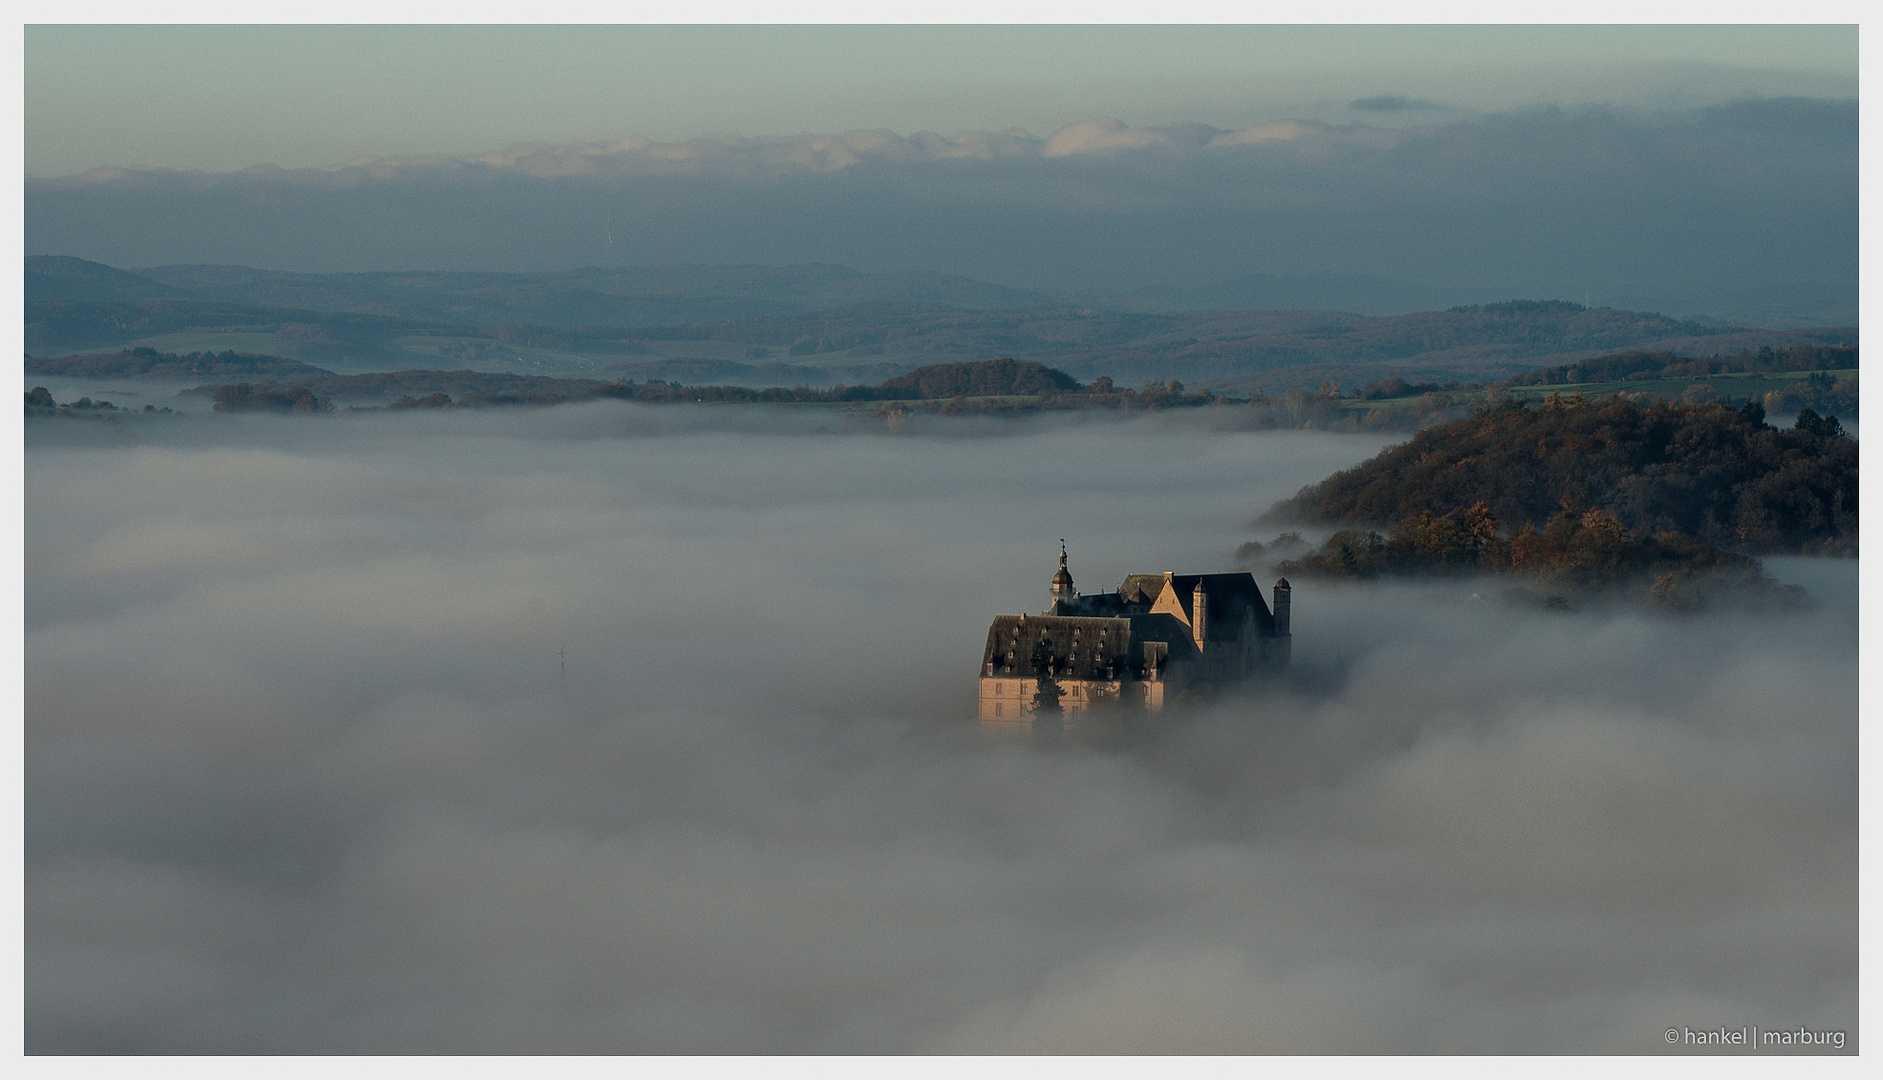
x=1228 y=600
x=1083 y=647
x=1149 y=585
x=1099 y=604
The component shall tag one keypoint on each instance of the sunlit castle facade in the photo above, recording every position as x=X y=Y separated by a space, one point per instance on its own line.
x=1156 y=636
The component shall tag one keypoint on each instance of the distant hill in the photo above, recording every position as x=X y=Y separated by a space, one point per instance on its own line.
x=700 y=372
x=62 y=277
x=71 y=326
x=1222 y=349
x=1358 y=293
x=618 y=296
x=850 y=324
x=151 y=364
x=985 y=378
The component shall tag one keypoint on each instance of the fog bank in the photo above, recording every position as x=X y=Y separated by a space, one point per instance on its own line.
x=306 y=772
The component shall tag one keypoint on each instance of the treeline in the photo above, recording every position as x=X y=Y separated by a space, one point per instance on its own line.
x=242 y=397
x=1666 y=365
x=1723 y=476
x=951 y=382
x=383 y=385
x=1101 y=395
x=986 y=378
x=1818 y=391
x=1418 y=404
x=1397 y=387
x=39 y=402
x=980 y=378
x=1587 y=552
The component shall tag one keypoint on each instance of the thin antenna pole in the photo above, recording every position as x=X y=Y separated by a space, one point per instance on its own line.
x=562 y=669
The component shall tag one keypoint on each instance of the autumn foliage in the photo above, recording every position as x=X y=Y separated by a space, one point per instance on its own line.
x=1721 y=476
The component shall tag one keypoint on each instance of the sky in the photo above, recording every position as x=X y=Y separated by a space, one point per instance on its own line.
x=223 y=98
x=1692 y=170
x=614 y=729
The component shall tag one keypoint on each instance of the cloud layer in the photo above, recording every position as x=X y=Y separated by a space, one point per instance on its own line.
x=1681 y=211
x=302 y=775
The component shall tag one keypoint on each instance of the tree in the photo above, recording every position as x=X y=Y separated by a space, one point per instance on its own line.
x=1811 y=423
x=1046 y=693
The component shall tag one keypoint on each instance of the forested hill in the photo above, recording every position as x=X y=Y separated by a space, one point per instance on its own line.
x=1721 y=475
x=982 y=378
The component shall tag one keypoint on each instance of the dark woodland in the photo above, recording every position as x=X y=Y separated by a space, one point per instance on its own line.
x=1721 y=476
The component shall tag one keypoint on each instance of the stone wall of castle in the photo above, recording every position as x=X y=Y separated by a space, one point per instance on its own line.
x=1009 y=700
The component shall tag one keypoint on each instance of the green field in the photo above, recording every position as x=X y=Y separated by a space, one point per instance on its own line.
x=1736 y=385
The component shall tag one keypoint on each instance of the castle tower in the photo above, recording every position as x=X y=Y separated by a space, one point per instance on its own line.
x=1062 y=581
x=1199 y=608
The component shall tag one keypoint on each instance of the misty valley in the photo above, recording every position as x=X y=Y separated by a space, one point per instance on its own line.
x=961 y=539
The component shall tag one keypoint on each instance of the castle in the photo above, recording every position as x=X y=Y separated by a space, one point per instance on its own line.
x=1158 y=635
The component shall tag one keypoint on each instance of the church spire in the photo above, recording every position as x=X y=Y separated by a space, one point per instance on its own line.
x=1062 y=581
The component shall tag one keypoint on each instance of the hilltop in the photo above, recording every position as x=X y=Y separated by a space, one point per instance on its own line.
x=1720 y=475
x=62 y=278
x=587 y=296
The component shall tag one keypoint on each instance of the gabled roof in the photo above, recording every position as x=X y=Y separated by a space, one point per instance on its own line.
x=1147 y=584
x=1230 y=599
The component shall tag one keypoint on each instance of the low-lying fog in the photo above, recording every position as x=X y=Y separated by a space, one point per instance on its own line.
x=304 y=772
